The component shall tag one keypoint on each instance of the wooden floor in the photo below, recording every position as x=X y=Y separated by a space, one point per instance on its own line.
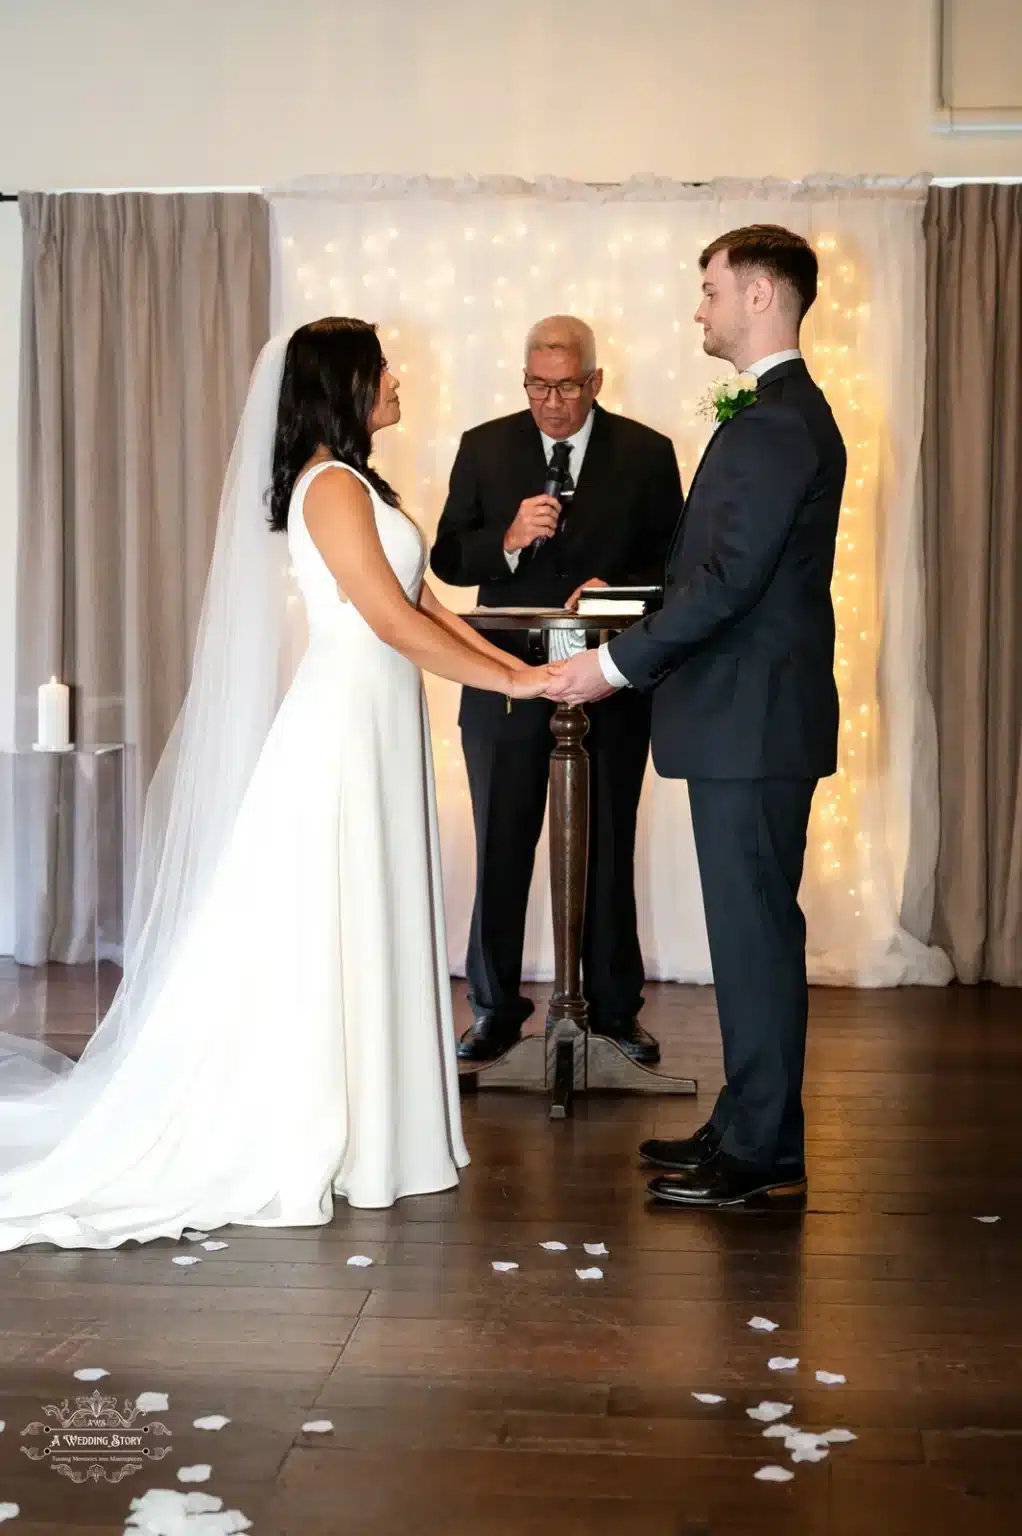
x=468 y=1401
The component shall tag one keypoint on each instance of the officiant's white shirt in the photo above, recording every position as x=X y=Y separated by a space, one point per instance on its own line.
x=562 y=644
x=615 y=677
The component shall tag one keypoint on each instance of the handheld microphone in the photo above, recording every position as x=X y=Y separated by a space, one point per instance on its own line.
x=557 y=475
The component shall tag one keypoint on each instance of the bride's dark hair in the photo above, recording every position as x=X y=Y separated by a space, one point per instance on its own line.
x=332 y=372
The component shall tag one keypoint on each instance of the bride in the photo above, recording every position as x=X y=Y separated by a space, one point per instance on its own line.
x=282 y=1032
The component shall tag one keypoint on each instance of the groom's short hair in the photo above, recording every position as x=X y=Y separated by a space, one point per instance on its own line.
x=787 y=257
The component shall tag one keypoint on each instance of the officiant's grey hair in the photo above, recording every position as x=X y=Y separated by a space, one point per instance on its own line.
x=563 y=333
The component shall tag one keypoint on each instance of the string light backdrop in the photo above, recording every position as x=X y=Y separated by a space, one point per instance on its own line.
x=455 y=273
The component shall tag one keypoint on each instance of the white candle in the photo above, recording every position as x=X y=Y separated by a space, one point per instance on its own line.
x=54 y=716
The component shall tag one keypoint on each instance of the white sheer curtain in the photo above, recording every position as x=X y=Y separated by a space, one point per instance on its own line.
x=455 y=272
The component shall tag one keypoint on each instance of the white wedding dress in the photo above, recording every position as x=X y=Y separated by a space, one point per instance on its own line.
x=301 y=1042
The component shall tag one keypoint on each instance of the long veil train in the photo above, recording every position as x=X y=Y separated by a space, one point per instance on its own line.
x=249 y=638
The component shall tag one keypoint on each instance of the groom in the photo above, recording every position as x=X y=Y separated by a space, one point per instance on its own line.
x=741 y=656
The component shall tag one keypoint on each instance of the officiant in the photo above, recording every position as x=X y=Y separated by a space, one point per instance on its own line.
x=555 y=497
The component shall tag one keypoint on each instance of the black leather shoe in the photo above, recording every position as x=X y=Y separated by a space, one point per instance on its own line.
x=629 y=1034
x=724 y=1181
x=681 y=1156
x=487 y=1039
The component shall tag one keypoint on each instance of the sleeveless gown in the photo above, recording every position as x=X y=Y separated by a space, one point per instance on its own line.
x=302 y=1045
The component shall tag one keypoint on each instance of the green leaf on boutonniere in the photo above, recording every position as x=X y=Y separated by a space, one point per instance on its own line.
x=728 y=397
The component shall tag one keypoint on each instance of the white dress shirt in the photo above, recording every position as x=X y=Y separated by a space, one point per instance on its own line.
x=615 y=677
x=773 y=361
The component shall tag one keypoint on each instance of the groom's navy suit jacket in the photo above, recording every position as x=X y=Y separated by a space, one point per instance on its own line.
x=741 y=654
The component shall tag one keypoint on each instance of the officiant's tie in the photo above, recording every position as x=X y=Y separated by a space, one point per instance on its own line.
x=559 y=471
x=562 y=644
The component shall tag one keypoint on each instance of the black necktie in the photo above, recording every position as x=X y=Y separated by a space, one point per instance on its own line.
x=559 y=460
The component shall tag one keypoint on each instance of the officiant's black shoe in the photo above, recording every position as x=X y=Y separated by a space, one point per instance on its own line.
x=629 y=1034
x=487 y=1039
x=724 y=1182
x=680 y=1156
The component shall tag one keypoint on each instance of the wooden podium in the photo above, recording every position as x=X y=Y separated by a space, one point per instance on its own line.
x=566 y=1059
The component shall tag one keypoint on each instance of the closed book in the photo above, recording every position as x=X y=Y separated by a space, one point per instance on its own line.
x=619 y=602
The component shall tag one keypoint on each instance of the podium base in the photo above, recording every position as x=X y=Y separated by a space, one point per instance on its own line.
x=564 y=1065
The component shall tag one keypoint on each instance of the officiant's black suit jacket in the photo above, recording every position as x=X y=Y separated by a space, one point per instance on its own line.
x=618 y=526
x=741 y=656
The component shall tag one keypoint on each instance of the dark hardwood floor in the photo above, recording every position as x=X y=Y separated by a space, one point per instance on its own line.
x=468 y=1401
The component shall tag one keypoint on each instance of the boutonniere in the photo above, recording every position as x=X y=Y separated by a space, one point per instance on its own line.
x=727 y=397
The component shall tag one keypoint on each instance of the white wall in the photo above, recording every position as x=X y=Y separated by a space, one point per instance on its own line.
x=99 y=93
x=10 y=287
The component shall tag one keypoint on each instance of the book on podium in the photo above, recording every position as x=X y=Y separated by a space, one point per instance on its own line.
x=619 y=602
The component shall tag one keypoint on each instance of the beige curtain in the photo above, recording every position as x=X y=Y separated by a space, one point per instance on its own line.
x=142 y=316
x=972 y=465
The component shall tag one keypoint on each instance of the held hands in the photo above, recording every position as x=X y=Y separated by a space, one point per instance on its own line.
x=525 y=682
x=536 y=518
x=578 y=681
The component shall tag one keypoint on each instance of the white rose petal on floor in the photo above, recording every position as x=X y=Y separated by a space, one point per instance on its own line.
x=805 y=1446
x=211 y=1421
x=767 y=1412
x=595 y=1248
x=359 y=1261
x=318 y=1427
x=91 y=1373
x=555 y=1247
x=9 y=1511
x=504 y=1266
x=987 y=1221
x=762 y=1324
x=168 y=1512
x=590 y=1274
x=831 y=1378
x=212 y=1246
x=185 y=1259
x=773 y=1475
x=810 y=1453
x=200 y=1473
x=152 y=1402
x=782 y=1363
x=709 y=1397
x=195 y=1237
x=839 y=1436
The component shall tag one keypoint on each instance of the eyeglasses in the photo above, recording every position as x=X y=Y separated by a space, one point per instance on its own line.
x=567 y=389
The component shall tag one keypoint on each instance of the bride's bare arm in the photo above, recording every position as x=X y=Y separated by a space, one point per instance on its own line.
x=456 y=626
x=340 y=520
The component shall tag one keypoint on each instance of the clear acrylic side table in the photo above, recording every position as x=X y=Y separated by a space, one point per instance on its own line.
x=66 y=816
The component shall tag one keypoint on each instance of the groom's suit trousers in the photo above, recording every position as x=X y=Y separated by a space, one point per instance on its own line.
x=750 y=837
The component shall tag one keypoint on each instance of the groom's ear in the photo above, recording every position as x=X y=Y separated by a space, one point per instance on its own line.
x=761 y=291
x=597 y=382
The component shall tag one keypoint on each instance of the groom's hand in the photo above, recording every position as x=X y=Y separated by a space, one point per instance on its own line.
x=578 y=681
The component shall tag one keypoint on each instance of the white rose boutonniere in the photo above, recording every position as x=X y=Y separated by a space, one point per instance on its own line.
x=727 y=397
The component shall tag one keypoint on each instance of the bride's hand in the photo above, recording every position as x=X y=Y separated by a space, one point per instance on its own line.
x=528 y=682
